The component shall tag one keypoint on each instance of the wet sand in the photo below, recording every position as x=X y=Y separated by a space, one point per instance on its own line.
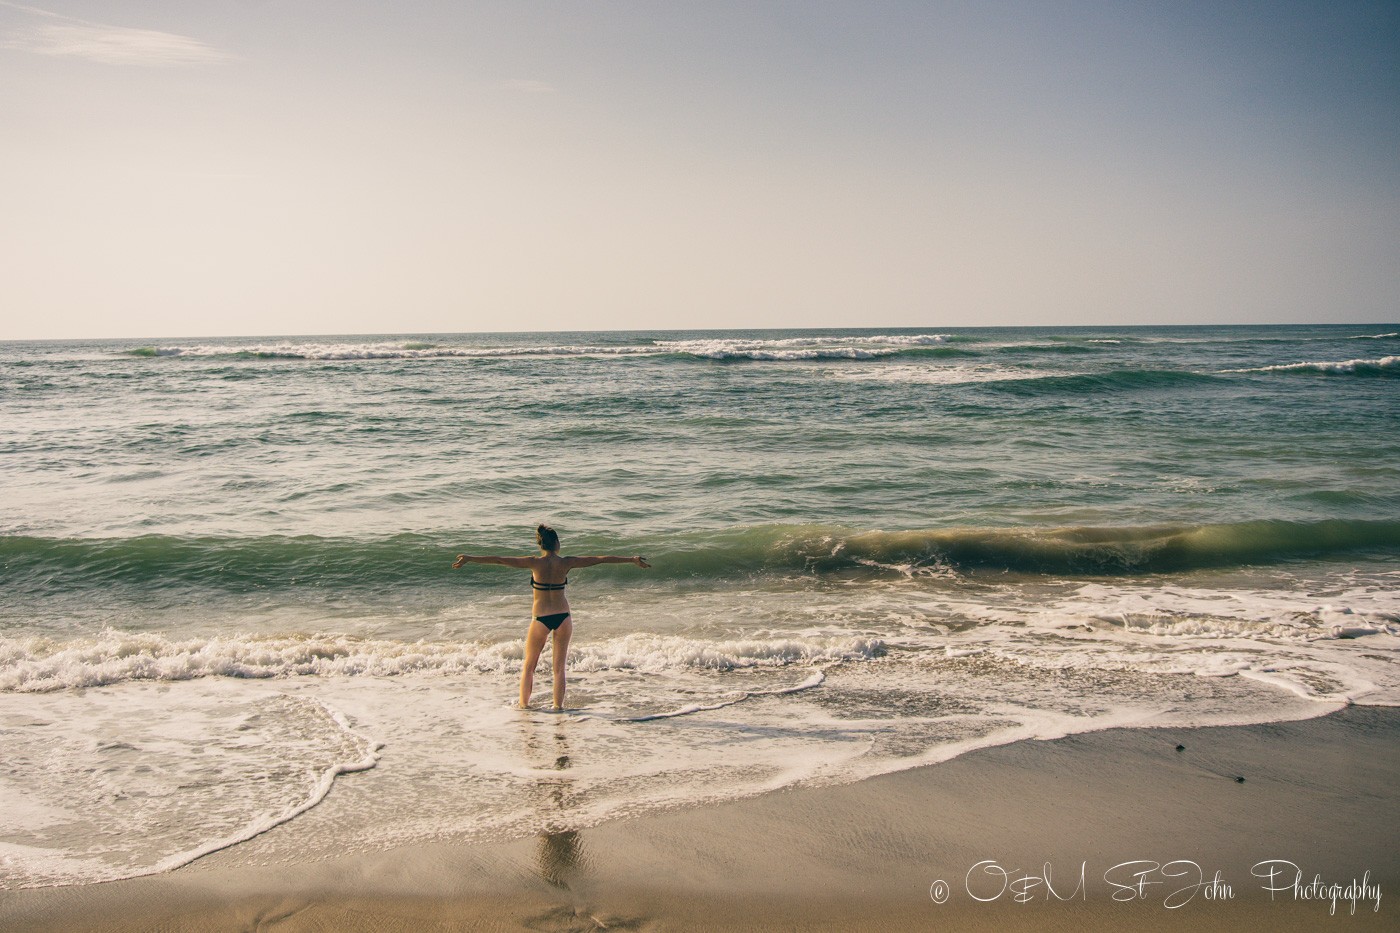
x=876 y=855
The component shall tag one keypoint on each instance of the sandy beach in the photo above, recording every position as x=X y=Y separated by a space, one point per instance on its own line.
x=1108 y=813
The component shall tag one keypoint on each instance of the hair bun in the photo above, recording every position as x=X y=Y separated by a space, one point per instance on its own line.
x=548 y=537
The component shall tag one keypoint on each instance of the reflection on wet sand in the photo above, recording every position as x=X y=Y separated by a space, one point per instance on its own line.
x=560 y=853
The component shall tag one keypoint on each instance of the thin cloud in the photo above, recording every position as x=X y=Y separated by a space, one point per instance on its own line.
x=99 y=42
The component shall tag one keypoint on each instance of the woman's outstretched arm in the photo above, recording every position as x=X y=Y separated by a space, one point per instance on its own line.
x=590 y=561
x=484 y=559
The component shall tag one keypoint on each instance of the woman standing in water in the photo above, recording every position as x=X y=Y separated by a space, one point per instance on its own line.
x=549 y=574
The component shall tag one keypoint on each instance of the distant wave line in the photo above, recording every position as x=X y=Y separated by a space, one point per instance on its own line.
x=851 y=347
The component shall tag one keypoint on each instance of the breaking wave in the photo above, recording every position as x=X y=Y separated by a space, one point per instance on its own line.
x=1385 y=366
x=39 y=665
x=153 y=563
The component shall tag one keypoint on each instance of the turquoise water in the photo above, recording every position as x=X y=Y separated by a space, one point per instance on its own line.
x=875 y=548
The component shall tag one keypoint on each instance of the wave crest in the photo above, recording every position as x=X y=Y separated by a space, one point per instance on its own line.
x=151 y=563
x=1385 y=366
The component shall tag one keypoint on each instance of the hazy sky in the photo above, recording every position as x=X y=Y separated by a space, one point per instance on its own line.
x=341 y=166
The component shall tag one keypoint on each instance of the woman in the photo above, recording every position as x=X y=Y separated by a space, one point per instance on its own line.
x=549 y=574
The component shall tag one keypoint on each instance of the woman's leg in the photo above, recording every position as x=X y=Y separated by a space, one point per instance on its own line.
x=534 y=644
x=560 y=656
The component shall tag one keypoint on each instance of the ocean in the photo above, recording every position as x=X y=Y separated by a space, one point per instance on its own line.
x=228 y=621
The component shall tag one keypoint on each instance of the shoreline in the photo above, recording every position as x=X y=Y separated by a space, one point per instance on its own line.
x=1318 y=793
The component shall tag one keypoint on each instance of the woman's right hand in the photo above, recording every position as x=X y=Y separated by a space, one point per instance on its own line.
x=640 y=562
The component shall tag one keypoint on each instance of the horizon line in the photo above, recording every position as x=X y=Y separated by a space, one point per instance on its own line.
x=689 y=330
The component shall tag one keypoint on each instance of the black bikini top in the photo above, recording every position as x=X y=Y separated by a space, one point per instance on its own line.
x=535 y=584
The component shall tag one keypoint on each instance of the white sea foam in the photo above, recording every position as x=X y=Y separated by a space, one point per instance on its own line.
x=815 y=680
x=35 y=665
x=367 y=758
x=897 y=340
x=1343 y=367
x=126 y=784
x=803 y=348
x=906 y=340
x=936 y=373
x=1207 y=613
x=1332 y=652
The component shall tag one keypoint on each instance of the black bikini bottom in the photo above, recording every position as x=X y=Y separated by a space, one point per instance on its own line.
x=552 y=622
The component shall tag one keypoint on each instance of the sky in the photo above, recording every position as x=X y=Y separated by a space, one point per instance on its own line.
x=254 y=167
